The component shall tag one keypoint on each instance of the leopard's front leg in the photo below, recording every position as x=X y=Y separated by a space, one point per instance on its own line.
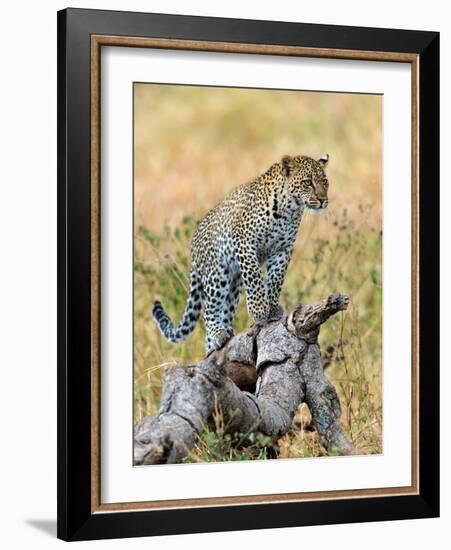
x=277 y=265
x=256 y=293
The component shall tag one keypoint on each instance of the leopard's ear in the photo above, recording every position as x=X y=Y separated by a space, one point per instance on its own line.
x=324 y=160
x=288 y=164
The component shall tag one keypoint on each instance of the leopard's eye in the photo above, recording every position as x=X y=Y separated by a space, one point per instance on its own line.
x=308 y=182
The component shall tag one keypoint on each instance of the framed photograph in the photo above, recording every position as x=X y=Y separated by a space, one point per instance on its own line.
x=248 y=274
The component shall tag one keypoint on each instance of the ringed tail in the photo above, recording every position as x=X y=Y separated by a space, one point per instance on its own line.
x=190 y=316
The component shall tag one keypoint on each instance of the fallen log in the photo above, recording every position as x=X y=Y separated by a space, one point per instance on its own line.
x=281 y=363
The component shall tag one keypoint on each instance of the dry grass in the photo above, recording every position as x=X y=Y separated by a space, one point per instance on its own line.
x=194 y=144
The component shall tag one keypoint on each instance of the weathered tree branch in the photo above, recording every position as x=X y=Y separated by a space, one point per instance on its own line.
x=284 y=361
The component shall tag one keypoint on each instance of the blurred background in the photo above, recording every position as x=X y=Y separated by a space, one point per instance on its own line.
x=191 y=146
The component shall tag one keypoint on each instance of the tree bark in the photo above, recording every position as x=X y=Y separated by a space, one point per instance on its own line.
x=281 y=363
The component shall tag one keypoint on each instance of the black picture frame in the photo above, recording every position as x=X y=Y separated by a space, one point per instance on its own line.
x=76 y=520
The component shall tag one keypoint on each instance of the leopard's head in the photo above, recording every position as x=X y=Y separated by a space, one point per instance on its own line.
x=307 y=180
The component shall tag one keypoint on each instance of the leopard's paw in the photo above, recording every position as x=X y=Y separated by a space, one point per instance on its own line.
x=221 y=338
x=276 y=314
x=256 y=328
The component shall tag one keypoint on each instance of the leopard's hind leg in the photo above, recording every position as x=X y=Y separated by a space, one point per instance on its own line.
x=222 y=293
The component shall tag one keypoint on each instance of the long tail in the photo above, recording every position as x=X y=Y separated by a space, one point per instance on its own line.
x=190 y=316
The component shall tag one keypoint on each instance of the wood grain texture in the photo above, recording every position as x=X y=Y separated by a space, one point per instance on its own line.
x=415 y=270
x=263 y=49
x=288 y=360
x=95 y=276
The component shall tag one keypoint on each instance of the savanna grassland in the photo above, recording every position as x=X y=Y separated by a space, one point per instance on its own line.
x=192 y=145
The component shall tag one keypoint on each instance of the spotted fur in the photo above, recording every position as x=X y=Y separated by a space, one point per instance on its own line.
x=255 y=225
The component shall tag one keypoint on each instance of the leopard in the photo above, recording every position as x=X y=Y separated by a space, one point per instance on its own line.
x=247 y=240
